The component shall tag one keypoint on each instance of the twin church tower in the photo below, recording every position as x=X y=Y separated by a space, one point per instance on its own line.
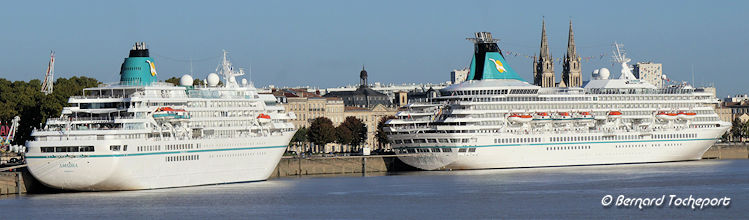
x=543 y=65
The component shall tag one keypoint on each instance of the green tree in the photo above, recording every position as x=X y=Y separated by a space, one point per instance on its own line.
x=745 y=129
x=197 y=82
x=343 y=135
x=26 y=100
x=300 y=135
x=173 y=80
x=737 y=130
x=321 y=131
x=381 y=135
x=354 y=130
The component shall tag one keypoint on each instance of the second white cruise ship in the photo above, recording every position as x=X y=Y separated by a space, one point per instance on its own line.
x=497 y=120
x=144 y=134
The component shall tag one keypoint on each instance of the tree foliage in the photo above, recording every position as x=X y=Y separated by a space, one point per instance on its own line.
x=321 y=131
x=173 y=80
x=737 y=129
x=300 y=135
x=26 y=100
x=343 y=135
x=352 y=131
x=381 y=135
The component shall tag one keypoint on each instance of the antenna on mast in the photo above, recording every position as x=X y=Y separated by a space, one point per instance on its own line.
x=49 y=77
x=693 y=74
x=226 y=70
x=620 y=56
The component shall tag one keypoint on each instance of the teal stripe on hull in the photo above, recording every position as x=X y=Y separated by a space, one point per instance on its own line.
x=160 y=153
x=566 y=143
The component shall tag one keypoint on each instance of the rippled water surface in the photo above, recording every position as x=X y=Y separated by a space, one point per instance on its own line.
x=562 y=192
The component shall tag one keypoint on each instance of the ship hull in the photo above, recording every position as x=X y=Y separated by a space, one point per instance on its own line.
x=485 y=154
x=216 y=161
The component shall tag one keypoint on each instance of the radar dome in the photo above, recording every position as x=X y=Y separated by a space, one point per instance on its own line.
x=603 y=73
x=186 y=80
x=244 y=82
x=212 y=79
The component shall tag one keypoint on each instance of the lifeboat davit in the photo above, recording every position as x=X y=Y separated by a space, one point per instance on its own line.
x=615 y=114
x=666 y=116
x=542 y=116
x=170 y=113
x=563 y=116
x=686 y=115
x=520 y=118
x=583 y=116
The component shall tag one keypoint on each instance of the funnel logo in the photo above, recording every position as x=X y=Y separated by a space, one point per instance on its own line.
x=498 y=65
x=153 y=67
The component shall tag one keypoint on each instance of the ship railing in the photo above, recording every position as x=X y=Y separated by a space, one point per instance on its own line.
x=75 y=119
x=99 y=96
x=112 y=127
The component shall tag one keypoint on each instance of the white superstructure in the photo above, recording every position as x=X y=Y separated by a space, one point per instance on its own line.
x=494 y=120
x=128 y=136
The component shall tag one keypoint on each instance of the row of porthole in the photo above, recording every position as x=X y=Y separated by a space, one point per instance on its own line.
x=585 y=147
x=182 y=158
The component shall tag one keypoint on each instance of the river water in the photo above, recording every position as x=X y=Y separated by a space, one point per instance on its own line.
x=559 y=192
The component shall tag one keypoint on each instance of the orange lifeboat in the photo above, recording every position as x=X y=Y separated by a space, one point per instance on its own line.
x=263 y=117
x=520 y=118
x=615 y=114
x=686 y=115
x=666 y=116
x=563 y=116
x=540 y=116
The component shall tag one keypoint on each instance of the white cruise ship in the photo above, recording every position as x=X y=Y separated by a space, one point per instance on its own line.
x=497 y=120
x=144 y=134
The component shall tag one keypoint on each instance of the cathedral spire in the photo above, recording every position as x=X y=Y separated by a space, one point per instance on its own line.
x=544 y=42
x=571 y=70
x=543 y=75
x=571 y=48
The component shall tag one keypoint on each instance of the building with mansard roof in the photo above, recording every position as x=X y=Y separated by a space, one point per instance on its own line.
x=363 y=97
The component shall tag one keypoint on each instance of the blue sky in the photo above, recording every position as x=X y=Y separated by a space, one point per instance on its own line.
x=324 y=43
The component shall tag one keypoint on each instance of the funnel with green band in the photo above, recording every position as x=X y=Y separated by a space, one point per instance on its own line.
x=488 y=62
x=138 y=68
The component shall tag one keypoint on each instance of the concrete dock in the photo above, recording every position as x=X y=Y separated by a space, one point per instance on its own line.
x=727 y=151
x=295 y=166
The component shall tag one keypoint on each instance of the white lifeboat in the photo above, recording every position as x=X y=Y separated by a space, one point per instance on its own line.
x=520 y=118
x=615 y=114
x=666 y=116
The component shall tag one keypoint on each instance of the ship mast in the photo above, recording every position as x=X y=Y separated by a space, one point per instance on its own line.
x=620 y=56
x=226 y=70
x=49 y=78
